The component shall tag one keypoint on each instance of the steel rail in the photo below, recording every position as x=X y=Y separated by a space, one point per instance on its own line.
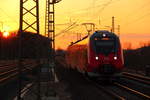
x=8 y=77
x=7 y=66
x=114 y=95
x=136 y=79
x=111 y=93
x=139 y=78
x=3 y=65
x=133 y=91
x=10 y=71
x=14 y=72
x=136 y=75
x=27 y=88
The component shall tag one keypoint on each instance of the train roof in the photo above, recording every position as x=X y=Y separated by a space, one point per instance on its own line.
x=103 y=33
x=98 y=33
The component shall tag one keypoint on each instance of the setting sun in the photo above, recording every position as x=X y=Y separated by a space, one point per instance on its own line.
x=6 y=34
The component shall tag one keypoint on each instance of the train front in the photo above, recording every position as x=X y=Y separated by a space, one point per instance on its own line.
x=104 y=54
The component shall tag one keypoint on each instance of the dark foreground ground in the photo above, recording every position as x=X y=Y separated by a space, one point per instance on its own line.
x=77 y=87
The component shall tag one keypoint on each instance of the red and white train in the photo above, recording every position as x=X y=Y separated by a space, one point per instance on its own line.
x=98 y=55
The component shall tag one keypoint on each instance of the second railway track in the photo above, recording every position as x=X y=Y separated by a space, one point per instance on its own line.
x=121 y=92
x=139 y=78
x=109 y=92
x=127 y=88
x=139 y=94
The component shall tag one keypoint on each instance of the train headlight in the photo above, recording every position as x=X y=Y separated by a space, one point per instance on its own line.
x=115 y=58
x=96 y=58
x=104 y=35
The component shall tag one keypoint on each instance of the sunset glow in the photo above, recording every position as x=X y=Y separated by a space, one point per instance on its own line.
x=132 y=15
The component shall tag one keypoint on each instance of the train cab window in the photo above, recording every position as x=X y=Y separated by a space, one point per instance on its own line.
x=105 y=46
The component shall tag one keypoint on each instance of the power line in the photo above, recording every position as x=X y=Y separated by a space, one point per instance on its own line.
x=138 y=19
x=82 y=10
x=67 y=29
x=102 y=6
x=133 y=14
x=105 y=5
x=139 y=9
x=8 y=16
x=62 y=24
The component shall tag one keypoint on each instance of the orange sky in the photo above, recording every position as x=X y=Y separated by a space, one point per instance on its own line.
x=131 y=15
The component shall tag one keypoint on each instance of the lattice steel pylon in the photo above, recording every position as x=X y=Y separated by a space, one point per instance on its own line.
x=29 y=21
x=50 y=19
x=29 y=15
x=50 y=27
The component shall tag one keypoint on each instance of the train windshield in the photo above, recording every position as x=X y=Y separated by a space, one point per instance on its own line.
x=105 y=46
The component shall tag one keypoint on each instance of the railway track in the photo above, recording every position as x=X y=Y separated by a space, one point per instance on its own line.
x=124 y=90
x=135 y=92
x=9 y=70
x=119 y=91
x=9 y=75
x=139 y=78
x=135 y=84
x=110 y=93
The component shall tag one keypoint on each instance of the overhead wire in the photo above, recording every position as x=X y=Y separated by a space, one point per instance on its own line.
x=138 y=18
x=97 y=14
x=99 y=6
x=139 y=9
x=102 y=6
x=14 y=20
x=67 y=29
x=82 y=10
x=106 y=4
